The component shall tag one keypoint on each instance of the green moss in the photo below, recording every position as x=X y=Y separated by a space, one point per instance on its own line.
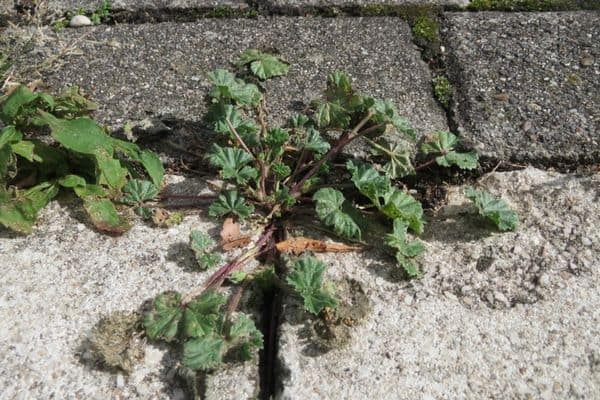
x=533 y=5
x=426 y=29
x=442 y=90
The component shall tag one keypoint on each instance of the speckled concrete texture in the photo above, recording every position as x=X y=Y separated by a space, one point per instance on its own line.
x=137 y=71
x=58 y=282
x=528 y=84
x=496 y=315
x=300 y=6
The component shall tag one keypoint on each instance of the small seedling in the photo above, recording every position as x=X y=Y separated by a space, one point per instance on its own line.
x=494 y=209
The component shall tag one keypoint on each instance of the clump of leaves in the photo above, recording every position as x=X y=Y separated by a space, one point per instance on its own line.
x=272 y=172
x=78 y=155
x=494 y=209
x=202 y=327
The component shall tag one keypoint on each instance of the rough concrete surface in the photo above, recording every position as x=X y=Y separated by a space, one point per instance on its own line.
x=140 y=71
x=58 y=282
x=298 y=6
x=503 y=316
x=528 y=84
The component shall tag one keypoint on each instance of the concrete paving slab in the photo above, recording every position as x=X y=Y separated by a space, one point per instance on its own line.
x=513 y=315
x=379 y=6
x=139 y=71
x=58 y=282
x=528 y=84
x=141 y=5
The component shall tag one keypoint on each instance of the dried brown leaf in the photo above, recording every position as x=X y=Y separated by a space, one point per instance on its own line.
x=301 y=244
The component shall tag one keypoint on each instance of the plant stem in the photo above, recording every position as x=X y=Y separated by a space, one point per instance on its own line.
x=342 y=142
x=238 y=137
x=217 y=278
x=425 y=164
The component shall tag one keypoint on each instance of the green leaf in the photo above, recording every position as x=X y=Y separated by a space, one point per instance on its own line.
x=244 y=333
x=405 y=250
x=443 y=143
x=276 y=137
x=82 y=135
x=385 y=112
x=202 y=315
x=20 y=212
x=104 y=215
x=201 y=244
x=237 y=277
x=399 y=164
x=299 y=121
x=332 y=115
x=230 y=203
x=328 y=208
x=162 y=321
x=306 y=277
x=218 y=115
x=203 y=353
x=110 y=170
x=461 y=160
x=72 y=181
x=137 y=191
x=494 y=209
x=232 y=161
x=263 y=65
x=10 y=135
x=369 y=182
x=227 y=87
x=315 y=142
x=399 y=204
x=281 y=170
x=90 y=191
x=12 y=105
x=25 y=149
x=151 y=162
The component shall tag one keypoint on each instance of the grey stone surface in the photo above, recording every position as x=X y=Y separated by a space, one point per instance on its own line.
x=139 y=5
x=137 y=71
x=58 y=282
x=504 y=316
x=308 y=5
x=528 y=84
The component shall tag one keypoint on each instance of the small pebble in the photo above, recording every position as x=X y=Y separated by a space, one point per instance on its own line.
x=499 y=296
x=408 y=300
x=587 y=61
x=79 y=20
x=467 y=300
x=586 y=241
x=120 y=381
x=544 y=280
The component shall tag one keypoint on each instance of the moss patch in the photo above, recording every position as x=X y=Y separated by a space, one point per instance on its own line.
x=533 y=5
x=442 y=90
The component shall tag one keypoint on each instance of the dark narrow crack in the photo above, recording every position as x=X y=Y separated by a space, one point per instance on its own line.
x=268 y=355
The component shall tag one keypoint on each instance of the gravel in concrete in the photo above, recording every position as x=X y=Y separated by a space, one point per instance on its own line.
x=528 y=84
x=140 y=71
x=512 y=315
x=58 y=282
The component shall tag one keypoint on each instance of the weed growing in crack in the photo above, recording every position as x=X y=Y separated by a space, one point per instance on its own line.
x=271 y=173
x=78 y=155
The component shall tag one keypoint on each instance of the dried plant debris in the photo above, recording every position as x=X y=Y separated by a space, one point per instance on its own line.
x=115 y=341
x=333 y=328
